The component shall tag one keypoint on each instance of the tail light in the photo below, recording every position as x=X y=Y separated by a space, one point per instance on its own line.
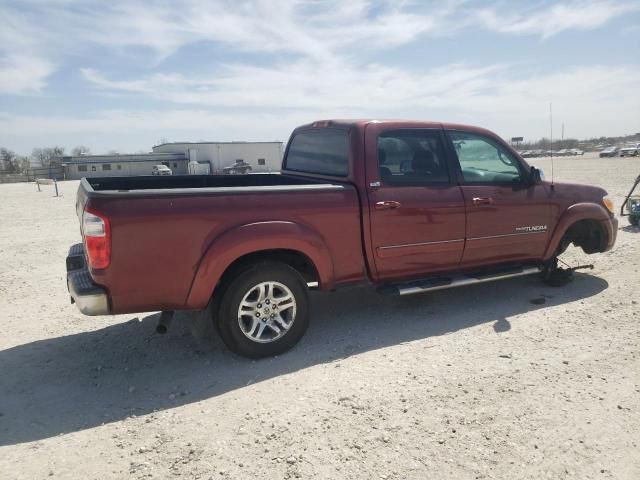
x=97 y=238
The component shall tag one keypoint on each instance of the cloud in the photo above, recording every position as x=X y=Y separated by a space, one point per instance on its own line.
x=584 y=95
x=23 y=74
x=310 y=29
x=48 y=34
x=23 y=69
x=306 y=84
x=556 y=18
x=314 y=30
x=590 y=100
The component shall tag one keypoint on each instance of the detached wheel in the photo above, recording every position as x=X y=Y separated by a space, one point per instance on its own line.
x=264 y=310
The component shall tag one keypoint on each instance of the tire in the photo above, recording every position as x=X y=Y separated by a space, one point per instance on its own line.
x=263 y=310
x=634 y=220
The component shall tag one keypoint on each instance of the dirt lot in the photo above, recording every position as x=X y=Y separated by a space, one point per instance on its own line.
x=470 y=383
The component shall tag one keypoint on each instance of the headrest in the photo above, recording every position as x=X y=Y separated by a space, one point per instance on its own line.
x=423 y=161
x=382 y=156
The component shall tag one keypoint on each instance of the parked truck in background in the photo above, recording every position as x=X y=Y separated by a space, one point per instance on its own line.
x=409 y=206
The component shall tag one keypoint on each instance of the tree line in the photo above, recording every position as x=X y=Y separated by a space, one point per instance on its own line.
x=10 y=162
x=587 y=145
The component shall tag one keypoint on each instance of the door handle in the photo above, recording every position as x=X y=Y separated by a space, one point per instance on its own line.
x=482 y=201
x=387 y=204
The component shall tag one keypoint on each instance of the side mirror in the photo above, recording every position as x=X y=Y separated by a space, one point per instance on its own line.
x=537 y=176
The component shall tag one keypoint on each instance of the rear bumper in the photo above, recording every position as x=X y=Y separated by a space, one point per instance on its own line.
x=91 y=299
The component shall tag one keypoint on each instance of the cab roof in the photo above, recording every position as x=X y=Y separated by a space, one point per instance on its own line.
x=392 y=123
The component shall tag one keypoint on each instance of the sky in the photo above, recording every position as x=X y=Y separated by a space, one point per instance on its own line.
x=127 y=75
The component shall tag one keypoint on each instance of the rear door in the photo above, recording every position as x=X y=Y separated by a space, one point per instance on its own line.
x=507 y=216
x=416 y=209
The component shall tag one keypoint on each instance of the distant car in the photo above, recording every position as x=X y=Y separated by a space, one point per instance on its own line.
x=161 y=170
x=240 y=167
x=609 y=152
x=632 y=150
x=576 y=151
x=565 y=152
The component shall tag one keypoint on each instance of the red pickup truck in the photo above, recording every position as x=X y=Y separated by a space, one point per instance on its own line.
x=409 y=206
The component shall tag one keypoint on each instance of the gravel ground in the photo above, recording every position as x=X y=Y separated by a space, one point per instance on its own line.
x=504 y=380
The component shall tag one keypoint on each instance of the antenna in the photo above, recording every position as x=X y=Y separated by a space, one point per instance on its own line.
x=551 y=137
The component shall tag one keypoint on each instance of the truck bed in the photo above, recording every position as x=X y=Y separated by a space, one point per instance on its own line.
x=163 y=228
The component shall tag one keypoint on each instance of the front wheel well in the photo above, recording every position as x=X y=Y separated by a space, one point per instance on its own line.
x=295 y=259
x=589 y=235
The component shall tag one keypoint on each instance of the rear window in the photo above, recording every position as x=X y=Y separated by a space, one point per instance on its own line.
x=323 y=151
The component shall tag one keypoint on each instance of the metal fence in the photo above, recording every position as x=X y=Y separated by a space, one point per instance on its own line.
x=52 y=172
x=12 y=177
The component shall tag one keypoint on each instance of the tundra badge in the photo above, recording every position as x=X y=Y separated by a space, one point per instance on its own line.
x=532 y=228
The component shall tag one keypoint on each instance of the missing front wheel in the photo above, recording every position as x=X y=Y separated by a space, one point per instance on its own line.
x=556 y=276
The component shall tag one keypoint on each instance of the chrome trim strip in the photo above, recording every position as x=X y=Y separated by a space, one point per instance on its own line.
x=422 y=243
x=386 y=247
x=507 y=235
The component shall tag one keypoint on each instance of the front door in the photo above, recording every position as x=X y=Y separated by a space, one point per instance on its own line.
x=417 y=215
x=507 y=216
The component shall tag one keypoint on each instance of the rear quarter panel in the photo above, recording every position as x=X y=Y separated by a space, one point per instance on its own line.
x=158 y=243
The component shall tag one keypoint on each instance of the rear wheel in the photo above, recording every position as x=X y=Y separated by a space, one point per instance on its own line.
x=634 y=220
x=264 y=310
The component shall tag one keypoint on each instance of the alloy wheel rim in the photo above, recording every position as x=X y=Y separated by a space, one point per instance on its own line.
x=267 y=312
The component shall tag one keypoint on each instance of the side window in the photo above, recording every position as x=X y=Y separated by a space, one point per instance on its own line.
x=412 y=157
x=82 y=168
x=482 y=160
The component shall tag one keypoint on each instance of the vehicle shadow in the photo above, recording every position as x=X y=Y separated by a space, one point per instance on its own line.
x=66 y=384
x=631 y=228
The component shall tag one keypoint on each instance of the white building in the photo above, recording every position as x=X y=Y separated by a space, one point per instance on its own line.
x=262 y=156
x=76 y=167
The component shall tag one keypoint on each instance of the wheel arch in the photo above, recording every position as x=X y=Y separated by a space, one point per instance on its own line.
x=586 y=225
x=297 y=260
x=288 y=242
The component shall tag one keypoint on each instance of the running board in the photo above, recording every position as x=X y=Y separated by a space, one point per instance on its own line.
x=441 y=283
